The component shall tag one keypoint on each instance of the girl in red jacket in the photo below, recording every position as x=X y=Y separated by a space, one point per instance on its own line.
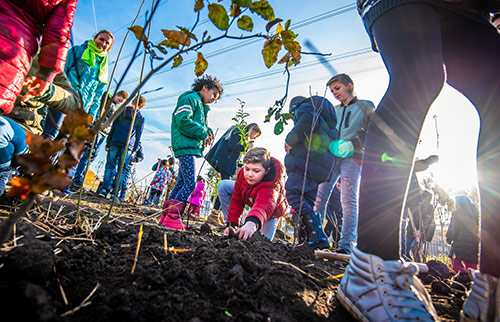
x=260 y=185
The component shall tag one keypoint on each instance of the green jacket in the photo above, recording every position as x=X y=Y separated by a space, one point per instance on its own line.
x=189 y=125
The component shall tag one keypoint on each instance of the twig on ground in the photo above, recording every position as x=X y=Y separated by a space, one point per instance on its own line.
x=139 y=238
x=84 y=303
x=298 y=269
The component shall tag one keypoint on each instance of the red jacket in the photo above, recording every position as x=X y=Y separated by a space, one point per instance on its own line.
x=266 y=199
x=23 y=23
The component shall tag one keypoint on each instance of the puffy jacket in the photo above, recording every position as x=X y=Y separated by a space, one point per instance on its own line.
x=23 y=23
x=189 y=125
x=120 y=128
x=225 y=153
x=321 y=160
x=198 y=195
x=85 y=79
x=160 y=178
x=266 y=199
x=463 y=233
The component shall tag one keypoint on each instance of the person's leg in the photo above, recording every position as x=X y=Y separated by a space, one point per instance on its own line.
x=350 y=172
x=325 y=192
x=409 y=39
x=179 y=182
x=113 y=159
x=269 y=228
x=465 y=42
x=80 y=168
x=223 y=176
x=186 y=170
x=53 y=122
x=225 y=191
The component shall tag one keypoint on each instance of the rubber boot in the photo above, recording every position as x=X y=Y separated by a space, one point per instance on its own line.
x=172 y=215
x=316 y=238
x=166 y=205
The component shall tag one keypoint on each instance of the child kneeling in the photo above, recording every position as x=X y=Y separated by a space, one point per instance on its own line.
x=260 y=185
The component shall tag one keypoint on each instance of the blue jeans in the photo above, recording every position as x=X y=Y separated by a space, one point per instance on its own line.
x=53 y=122
x=80 y=168
x=350 y=172
x=12 y=140
x=225 y=191
x=185 y=183
x=113 y=162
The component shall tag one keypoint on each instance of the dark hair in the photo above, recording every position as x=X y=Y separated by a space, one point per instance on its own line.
x=209 y=82
x=171 y=160
x=123 y=94
x=495 y=16
x=258 y=155
x=104 y=31
x=344 y=79
x=163 y=162
x=200 y=178
x=253 y=126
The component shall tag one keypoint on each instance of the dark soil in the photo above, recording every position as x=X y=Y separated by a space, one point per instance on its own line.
x=216 y=278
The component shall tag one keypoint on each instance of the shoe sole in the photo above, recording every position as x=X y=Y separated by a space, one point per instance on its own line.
x=349 y=306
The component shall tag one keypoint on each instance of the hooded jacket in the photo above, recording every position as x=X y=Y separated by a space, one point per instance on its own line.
x=119 y=130
x=266 y=199
x=225 y=153
x=85 y=79
x=321 y=160
x=463 y=232
x=198 y=194
x=23 y=23
x=189 y=125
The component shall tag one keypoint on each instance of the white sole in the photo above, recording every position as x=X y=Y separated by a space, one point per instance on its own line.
x=349 y=306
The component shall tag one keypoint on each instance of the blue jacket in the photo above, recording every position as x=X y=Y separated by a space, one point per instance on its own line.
x=85 y=79
x=119 y=130
x=321 y=160
x=225 y=153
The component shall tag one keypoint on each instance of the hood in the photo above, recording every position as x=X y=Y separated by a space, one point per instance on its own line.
x=301 y=104
x=462 y=200
x=275 y=173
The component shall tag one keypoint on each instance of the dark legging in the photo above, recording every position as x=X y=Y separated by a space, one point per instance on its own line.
x=422 y=47
x=185 y=183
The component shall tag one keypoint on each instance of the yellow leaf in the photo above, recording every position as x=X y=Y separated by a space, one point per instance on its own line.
x=139 y=33
x=279 y=29
x=198 y=5
x=177 y=36
x=177 y=61
x=218 y=15
x=290 y=44
x=200 y=65
x=270 y=51
x=245 y=23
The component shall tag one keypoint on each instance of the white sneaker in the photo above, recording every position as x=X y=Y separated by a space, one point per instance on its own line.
x=483 y=302
x=376 y=290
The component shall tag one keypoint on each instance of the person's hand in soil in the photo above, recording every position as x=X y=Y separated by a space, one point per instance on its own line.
x=247 y=230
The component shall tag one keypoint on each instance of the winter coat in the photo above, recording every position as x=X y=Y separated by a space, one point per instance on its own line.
x=85 y=79
x=23 y=23
x=189 y=125
x=120 y=128
x=266 y=199
x=321 y=160
x=224 y=155
x=60 y=96
x=352 y=123
x=198 y=195
x=160 y=179
x=463 y=233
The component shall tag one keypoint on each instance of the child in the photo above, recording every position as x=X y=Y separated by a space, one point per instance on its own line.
x=196 y=200
x=353 y=116
x=190 y=134
x=158 y=183
x=463 y=235
x=316 y=115
x=116 y=140
x=259 y=185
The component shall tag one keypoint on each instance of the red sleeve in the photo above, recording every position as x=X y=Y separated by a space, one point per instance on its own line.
x=264 y=204
x=56 y=39
x=237 y=202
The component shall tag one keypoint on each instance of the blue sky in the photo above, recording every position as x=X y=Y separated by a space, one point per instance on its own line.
x=331 y=26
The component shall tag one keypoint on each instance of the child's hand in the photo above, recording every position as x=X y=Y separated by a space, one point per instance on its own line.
x=287 y=148
x=228 y=231
x=208 y=140
x=247 y=230
x=35 y=86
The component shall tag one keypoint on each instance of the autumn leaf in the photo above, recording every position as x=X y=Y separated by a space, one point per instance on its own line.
x=139 y=33
x=32 y=163
x=177 y=36
x=287 y=24
x=286 y=58
x=200 y=65
x=19 y=187
x=67 y=162
x=57 y=179
x=177 y=61
x=198 y=5
x=40 y=184
x=42 y=147
x=263 y=9
x=270 y=51
x=169 y=43
x=75 y=148
x=290 y=44
x=187 y=32
x=270 y=24
x=245 y=23
x=243 y=3
x=279 y=29
x=75 y=119
x=235 y=10
x=218 y=15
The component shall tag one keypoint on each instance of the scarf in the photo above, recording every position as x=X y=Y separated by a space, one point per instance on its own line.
x=89 y=58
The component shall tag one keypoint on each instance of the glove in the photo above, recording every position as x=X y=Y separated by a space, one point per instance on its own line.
x=343 y=149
